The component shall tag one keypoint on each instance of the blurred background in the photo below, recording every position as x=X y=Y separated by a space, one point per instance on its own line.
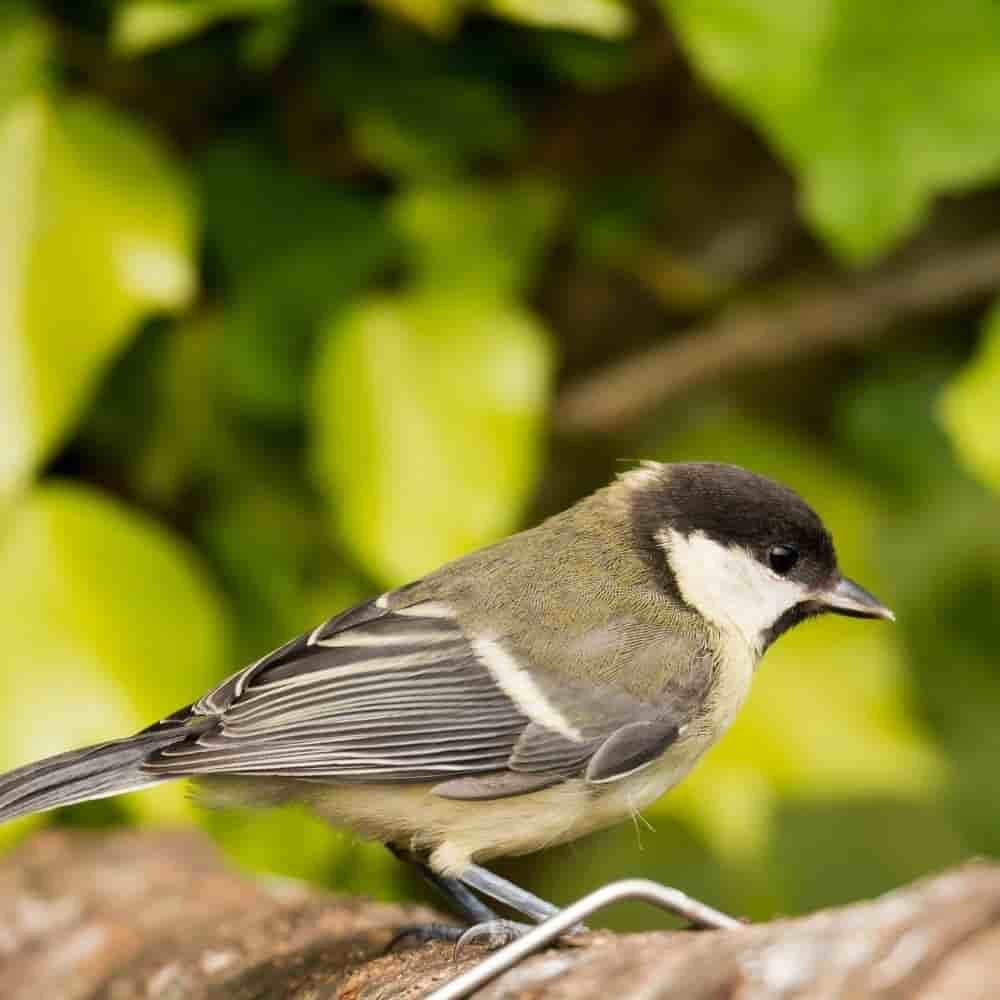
x=299 y=299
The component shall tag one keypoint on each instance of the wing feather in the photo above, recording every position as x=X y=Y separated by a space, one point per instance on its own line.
x=401 y=695
x=371 y=694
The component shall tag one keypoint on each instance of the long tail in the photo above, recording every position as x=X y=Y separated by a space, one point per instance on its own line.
x=91 y=773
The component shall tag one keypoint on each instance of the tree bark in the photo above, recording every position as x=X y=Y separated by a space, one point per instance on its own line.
x=159 y=915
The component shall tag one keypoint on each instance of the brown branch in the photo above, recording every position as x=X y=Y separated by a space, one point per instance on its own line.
x=130 y=915
x=841 y=312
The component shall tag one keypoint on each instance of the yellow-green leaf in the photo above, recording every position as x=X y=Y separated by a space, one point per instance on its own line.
x=970 y=407
x=97 y=231
x=108 y=623
x=427 y=419
x=851 y=94
x=602 y=18
x=478 y=238
x=436 y=16
x=140 y=25
x=24 y=52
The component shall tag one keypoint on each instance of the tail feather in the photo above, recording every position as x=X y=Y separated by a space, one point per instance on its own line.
x=94 y=772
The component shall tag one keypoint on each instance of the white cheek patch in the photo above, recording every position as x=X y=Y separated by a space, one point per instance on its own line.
x=728 y=586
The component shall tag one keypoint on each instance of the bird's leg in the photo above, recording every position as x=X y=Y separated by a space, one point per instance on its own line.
x=492 y=930
x=472 y=909
x=486 y=927
x=468 y=905
x=506 y=892
x=496 y=933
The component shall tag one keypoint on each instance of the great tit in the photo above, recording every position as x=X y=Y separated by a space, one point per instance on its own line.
x=522 y=696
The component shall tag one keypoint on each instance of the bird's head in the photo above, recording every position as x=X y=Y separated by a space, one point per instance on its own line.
x=746 y=553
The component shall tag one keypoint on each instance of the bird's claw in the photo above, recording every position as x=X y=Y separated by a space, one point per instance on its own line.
x=492 y=934
x=420 y=934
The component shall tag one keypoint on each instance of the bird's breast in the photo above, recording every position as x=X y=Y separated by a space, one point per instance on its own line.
x=736 y=661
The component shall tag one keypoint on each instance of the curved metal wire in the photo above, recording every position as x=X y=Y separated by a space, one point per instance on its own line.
x=544 y=934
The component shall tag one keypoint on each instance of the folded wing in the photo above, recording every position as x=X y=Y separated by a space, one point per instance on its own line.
x=403 y=695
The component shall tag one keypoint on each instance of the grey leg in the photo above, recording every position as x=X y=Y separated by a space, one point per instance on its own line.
x=497 y=933
x=503 y=891
x=485 y=926
x=471 y=909
x=469 y=906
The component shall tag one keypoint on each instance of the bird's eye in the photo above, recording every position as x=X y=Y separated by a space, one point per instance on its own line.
x=782 y=558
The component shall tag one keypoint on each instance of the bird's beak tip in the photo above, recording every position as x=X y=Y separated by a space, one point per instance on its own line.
x=849 y=598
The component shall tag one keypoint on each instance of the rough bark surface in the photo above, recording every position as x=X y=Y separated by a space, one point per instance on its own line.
x=131 y=915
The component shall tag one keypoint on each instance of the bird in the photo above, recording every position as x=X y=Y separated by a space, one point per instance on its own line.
x=524 y=695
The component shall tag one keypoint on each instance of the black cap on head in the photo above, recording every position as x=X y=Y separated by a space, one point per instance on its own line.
x=734 y=506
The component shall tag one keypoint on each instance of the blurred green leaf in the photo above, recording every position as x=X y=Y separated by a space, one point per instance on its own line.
x=109 y=624
x=593 y=64
x=268 y=543
x=269 y=37
x=864 y=740
x=25 y=48
x=436 y=16
x=305 y=250
x=97 y=232
x=257 y=209
x=473 y=239
x=970 y=408
x=615 y=218
x=886 y=419
x=427 y=407
x=183 y=438
x=850 y=92
x=427 y=420
x=934 y=535
x=418 y=111
x=141 y=25
x=602 y=18
x=270 y=327
x=156 y=427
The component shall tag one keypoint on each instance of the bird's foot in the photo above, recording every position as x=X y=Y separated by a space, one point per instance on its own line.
x=420 y=934
x=499 y=933
x=491 y=933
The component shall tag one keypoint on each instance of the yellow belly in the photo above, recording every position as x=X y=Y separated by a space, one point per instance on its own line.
x=456 y=833
x=453 y=832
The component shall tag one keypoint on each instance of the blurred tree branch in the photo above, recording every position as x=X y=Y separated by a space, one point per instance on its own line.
x=839 y=312
x=158 y=915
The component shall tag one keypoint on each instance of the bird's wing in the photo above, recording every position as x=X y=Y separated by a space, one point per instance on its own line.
x=405 y=695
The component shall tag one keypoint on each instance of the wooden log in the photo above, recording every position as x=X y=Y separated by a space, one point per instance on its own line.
x=124 y=915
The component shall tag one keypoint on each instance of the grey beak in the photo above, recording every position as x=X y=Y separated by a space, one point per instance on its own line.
x=847 y=598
